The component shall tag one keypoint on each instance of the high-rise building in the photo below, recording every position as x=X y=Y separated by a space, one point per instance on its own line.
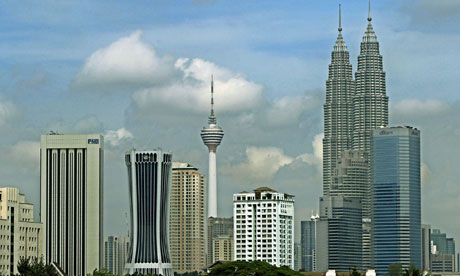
x=370 y=102
x=337 y=109
x=264 y=227
x=212 y=137
x=339 y=234
x=149 y=175
x=395 y=165
x=426 y=247
x=115 y=254
x=187 y=224
x=450 y=246
x=442 y=263
x=297 y=256
x=219 y=227
x=223 y=248
x=308 y=243
x=71 y=179
x=111 y=257
x=20 y=235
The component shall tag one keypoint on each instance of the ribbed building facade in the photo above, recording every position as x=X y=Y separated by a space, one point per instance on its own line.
x=187 y=225
x=149 y=176
x=71 y=172
x=396 y=221
x=338 y=109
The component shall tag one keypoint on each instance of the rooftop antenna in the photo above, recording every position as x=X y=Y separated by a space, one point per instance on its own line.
x=212 y=117
x=369 y=18
x=340 y=17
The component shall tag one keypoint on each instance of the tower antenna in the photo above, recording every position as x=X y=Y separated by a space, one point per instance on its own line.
x=340 y=17
x=369 y=18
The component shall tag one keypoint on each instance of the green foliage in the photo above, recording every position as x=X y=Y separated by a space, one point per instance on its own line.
x=395 y=270
x=355 y=272
x=412 y=271
x=195 y=273
x=256 y=268
x=35 y=267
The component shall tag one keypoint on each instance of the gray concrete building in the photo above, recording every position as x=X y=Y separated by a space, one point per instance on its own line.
x=426 y=247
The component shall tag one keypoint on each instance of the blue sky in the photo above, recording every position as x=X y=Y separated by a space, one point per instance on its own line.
x=138 y=71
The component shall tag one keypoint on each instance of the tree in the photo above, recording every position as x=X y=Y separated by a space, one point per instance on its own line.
x=35 y=267
x=256 y=268
x=355 y=272
x=395 y=270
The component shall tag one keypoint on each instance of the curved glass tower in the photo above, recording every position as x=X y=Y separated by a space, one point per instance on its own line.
x=149 y=175
x=212 y=136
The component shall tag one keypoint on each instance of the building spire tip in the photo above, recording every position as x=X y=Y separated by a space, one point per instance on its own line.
x=369 y=18
x=340 y=17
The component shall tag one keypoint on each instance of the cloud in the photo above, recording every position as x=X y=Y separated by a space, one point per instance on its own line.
x=433 y=10
x=233 y=92
x=287 y=110
x=262 y=163
x=416 y=107
x=115 y=137
x=127 y=61
x=8 y=111
x=26 y=153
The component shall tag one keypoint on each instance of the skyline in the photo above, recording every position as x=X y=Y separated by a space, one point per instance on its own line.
x=275 y=102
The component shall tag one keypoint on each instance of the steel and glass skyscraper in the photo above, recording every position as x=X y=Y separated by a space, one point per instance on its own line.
x=338 y=109
x=149 y=176
x=212 y=136
x=395 y=167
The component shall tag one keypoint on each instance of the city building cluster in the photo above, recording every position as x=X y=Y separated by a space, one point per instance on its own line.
x=369 y=215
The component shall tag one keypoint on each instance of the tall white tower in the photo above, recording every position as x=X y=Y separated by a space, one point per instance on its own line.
x=212 y=136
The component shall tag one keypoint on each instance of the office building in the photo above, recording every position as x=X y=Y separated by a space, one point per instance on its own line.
x=222 y=249
x=395 y=163
x=297 y=256
x=149 y=175
x=339 y=234
x=20 y=234
x=212 y=137
x=111 y=257
x=116 y=251
x=187 y=224
x=71 y=180
x=442 y=263
x=426 y=247
x=439 y=241
x=219 y=227
x=308 y=243
x=450 y=246
x=264 y=227
x=338 y=108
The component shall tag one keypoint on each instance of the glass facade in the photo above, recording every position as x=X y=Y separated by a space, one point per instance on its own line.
x=395 y=164
x=307 y=241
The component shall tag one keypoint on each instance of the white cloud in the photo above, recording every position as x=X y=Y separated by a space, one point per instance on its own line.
x=26 y=153
x=287 y=110
x=416 y=107
x=115 y=137
x=128 y=61
x=232 y=91
x=7 y=112
x=316 y=158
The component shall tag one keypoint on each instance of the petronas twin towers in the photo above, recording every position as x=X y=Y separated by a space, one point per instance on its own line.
x=353 y=108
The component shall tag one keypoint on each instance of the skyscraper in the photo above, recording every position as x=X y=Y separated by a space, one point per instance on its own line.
x=111 y=257
x=71 y=179
x=149 y=176
x=20 y=235
x=219 y=229
x=395 y=166
x=308 y=243
x=426 y=247
x=370 y=102
x=264 y=227
x=339 y=234
x=212 y=136
x=187 y=225
x=338 y=109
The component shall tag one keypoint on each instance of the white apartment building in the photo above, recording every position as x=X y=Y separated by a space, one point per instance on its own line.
x=19 y=234
x=264 y=227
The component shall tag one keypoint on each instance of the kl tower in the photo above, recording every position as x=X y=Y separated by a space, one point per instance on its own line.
x=212 y=136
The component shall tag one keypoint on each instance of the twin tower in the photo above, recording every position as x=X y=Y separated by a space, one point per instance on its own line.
x=352 y=109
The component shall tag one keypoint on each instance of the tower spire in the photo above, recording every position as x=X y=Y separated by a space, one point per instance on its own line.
x=340 y=17
x=369 y=18
x=212 y=118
